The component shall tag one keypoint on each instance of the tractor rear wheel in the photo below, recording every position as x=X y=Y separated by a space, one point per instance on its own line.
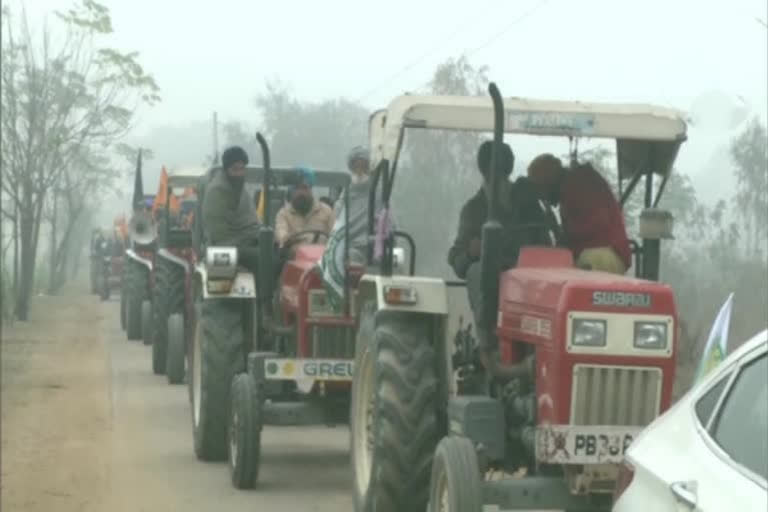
x=245 y=432
x=177 y=351
x=146 y=322
x=217 y=358
x=394 y=423
x=455 y=484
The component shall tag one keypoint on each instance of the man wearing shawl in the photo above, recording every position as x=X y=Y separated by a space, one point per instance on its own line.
x=332 y=263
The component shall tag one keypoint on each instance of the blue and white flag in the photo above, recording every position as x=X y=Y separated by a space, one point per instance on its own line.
x=717 y=343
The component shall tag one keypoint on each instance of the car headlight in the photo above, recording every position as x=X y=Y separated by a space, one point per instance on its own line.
x=651 y=335
x=588 y=333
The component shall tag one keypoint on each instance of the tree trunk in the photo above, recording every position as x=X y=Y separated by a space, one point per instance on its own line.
x=15 y=245
x=54 y=250
x=27 y=275
x=30 y=216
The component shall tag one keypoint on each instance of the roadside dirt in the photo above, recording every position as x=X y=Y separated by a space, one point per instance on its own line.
x=55 y=419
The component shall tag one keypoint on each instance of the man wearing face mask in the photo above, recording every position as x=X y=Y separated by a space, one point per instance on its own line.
x=303 y=213
x=229 y=215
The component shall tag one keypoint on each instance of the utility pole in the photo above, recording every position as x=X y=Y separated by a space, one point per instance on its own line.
x=215 y=138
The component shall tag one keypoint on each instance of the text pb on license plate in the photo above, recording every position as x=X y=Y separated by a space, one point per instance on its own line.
x=582 y=444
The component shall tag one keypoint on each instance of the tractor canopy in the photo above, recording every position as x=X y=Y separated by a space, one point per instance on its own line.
x=647 y=136
x=184 y=177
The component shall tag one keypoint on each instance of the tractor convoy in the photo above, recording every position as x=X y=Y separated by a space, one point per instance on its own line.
x=586 y=359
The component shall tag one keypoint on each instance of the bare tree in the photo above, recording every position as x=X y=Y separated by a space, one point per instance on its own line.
x=59 y=99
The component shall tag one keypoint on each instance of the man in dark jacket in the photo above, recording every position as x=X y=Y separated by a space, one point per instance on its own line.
x=229 y=214
x=593 y=223
x=518 y=205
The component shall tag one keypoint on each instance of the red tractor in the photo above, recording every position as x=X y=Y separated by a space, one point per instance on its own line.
x=268 y=354
x=586 y=359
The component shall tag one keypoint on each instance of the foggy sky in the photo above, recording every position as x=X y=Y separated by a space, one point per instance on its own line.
x=210 y=56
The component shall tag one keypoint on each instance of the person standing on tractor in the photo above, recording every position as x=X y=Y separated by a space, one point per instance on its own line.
x=229 y=215
x=302 y=213
x=593 y=223
x=518 y=206
x=333 y=261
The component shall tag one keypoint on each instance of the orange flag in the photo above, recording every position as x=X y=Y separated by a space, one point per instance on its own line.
x=162 y=191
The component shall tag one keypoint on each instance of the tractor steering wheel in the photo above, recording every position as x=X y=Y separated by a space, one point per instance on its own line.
x=293 y=239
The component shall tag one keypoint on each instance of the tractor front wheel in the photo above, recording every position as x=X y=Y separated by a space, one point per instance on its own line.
x=146 y=322
x=123 y=308
x=104 y=287
x=176 y=353
x=245 y=432
x=217 y=357
x=455 y=484
x=160 y=317
x=394 y=423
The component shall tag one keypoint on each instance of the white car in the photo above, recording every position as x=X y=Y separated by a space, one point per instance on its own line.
x=709 y=452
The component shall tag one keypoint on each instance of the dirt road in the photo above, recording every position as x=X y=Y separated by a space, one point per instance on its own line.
x=87 y=427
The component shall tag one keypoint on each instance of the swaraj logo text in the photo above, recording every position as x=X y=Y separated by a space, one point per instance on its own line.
x=621 y=299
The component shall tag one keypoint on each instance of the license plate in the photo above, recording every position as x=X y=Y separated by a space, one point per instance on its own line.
x=581 y=444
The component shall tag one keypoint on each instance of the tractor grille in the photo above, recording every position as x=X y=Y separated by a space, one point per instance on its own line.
x=332 y=342
x=615 y=395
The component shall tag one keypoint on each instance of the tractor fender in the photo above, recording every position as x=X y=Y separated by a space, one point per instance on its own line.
x=431 y=294
x=244 y=286
x=138 y=259
x=168 y=255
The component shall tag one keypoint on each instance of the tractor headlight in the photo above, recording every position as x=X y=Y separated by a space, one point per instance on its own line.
x=221 y=262
x=651 y=335
x=588 y=333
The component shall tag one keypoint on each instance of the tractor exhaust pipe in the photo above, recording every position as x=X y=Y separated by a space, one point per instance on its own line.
x=491 y=252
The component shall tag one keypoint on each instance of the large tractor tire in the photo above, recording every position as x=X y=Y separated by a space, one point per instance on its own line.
x=455 y=483
x=177 y=350
x=147 y=332
x=160 y=317
x=245 y=425
x=134 y=296
x=394 y=423
x=217 y=358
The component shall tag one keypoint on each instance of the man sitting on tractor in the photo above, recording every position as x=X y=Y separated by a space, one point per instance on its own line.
x=518 y=205
x=303 y=213
x=593 y=223
x=229 y=216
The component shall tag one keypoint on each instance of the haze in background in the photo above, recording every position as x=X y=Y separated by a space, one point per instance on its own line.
x=708 y=58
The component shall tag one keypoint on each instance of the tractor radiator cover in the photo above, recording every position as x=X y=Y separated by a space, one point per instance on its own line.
x=481 y=419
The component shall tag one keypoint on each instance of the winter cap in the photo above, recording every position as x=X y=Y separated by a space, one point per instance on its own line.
x=233 y=154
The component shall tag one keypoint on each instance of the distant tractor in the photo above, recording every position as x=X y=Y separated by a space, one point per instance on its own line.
x=111 y=265
x=138 y=264
x=586 y=359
